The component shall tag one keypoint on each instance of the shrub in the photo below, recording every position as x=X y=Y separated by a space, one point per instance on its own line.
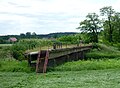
x=5 y=52
x=18 y=51
x=19 y=48
x=71 y=39
x=14 y=66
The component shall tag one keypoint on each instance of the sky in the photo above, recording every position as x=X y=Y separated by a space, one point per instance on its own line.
x=47 y=16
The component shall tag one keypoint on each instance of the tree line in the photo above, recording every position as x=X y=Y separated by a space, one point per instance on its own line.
x=29 y=35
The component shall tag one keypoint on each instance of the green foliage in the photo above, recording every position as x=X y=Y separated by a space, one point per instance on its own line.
x=18 y=49
x=5 y=51
x=62 y=79
x=3 y=41
x=111 y=24
x=108 y=12
x=33 y=43
x=86 y=74
x=103 y=51
x=85 y=37
x=14 y=66
x=99 y=55
x=108 y=48
x=90 y=65
x=117 y=45
x=70 y=39
x=95 y=46
x=91 y=25
x=116 y=27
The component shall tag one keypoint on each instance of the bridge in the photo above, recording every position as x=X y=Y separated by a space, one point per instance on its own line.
x=43 y=59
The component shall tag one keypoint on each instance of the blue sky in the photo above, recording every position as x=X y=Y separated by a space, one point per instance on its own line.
x=47 y=16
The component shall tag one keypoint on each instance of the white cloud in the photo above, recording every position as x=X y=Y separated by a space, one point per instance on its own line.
x=46 y=16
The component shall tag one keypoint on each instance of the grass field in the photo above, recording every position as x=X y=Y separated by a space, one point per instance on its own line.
x=5 y=51
x=11 y=65
x=90 y=65
x=100 y=71
x=62 y=79
x=5 y=44
x=79 y=74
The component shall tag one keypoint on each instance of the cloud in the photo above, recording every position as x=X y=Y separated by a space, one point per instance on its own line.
x=47 y=16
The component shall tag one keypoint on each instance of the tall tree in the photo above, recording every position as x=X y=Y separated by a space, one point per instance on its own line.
x=116 y=27
x=91 y=25
x=108 y=12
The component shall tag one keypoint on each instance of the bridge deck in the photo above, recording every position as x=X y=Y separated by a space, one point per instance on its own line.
x=56 y=55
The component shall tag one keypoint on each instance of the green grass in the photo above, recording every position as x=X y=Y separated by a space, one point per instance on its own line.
x=14 y=66
x=106 y=48
x=5 y=45
x=5 y=51
x=104 y=51
x=22 y=66
x=62 y=79
x=102 y=54
x=90 y=65
x=102 y=71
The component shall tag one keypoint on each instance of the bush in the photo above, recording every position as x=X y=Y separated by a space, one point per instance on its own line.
x=14 y=66
x=71 y=39
x=5 y=52
x=20 y=47
x=18 y=51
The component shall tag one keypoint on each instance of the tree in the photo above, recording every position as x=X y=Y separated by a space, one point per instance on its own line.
x=108 y=12
x=28 y=34
x=116 y=27
x=22 y=35
x=91 y=25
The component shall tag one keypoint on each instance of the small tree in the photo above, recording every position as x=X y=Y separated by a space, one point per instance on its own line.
x=108 y=12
